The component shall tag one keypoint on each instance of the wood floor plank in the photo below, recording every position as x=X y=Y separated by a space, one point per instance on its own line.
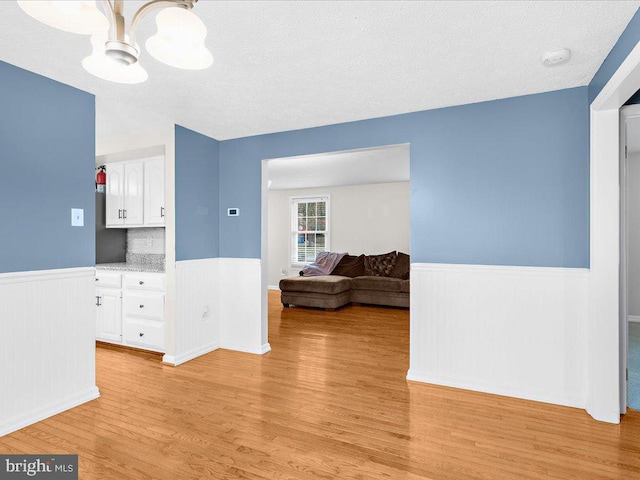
x=329 y=401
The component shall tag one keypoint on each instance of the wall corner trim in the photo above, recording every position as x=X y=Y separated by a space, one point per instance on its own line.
x=181 y=264
x=35 y=275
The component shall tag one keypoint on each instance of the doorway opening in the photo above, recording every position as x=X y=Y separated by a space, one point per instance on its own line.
x=354 y=201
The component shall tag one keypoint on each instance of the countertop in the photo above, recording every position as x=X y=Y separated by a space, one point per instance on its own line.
x=131 y=267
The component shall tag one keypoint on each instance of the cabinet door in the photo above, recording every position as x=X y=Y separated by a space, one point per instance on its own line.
x=115 y=195
x=109 y=315
x=154 y=192
x=133 y=193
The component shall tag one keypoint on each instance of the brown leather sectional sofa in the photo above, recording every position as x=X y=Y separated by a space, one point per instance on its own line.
x=370 y=279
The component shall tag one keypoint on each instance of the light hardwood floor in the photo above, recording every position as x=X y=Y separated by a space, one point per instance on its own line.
x=329 y=401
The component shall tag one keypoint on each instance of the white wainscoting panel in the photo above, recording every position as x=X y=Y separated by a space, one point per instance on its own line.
x=47 y=344
x=240 y=305
x=515 y=331
x=197 y=322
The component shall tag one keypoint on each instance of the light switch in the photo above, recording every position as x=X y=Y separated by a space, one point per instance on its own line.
x=77 y=217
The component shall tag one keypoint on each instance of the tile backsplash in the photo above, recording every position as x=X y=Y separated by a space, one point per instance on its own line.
x=145 y=245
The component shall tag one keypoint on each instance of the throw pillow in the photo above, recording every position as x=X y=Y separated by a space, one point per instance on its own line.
x=379 y=265
x=350 y=266
x=401 y=267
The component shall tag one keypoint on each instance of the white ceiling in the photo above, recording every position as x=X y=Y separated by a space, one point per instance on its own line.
x=289 y=65
x=351 y=167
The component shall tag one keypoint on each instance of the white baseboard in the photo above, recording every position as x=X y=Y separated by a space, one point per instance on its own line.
x=415 y=376
x=273 y=287
x=244 y=349
x=633 y=318
x=29 y=418
x=176 y=360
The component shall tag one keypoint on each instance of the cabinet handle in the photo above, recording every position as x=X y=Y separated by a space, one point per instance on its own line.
x=98 y=304
x=162 y=211
x=141 y=334
x=141 y=282
x=119 y=213
x=141 y=306
x=124 y=213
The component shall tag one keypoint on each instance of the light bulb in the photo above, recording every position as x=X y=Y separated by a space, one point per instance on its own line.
x=75 y=16
x=179 y=41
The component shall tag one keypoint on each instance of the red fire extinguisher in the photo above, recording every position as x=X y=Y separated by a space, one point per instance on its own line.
x=101 y=179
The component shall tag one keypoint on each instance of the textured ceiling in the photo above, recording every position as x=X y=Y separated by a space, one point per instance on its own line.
x=290 y=65
x=351 y=167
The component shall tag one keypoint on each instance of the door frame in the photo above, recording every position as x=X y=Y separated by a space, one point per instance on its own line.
x=626 y=113
x=606 y=358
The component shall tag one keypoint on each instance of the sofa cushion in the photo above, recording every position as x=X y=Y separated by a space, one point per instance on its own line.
x=401 y=267
x=390 y=299
x=379 y=265
x=328 y=284
x=307 y=299
x=380 y=284
x=405 y=286
x=350 y=266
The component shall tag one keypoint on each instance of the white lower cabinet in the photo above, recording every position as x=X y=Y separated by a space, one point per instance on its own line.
x=109 y=315
x=144 y=333
x=134 y=308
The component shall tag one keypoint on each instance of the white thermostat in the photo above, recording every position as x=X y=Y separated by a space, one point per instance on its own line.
x=233 y=212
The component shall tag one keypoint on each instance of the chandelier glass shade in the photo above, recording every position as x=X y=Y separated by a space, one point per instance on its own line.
x=82 y=17
x=100 y=65
x=179 y=41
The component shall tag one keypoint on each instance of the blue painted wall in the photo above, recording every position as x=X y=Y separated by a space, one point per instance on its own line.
x=47 y=157
x=499 y=183
x=627 y=41
x=197 y=196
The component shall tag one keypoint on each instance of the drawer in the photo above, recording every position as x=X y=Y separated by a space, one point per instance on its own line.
x=144 y=281
x=140 y=305
x=144 y=333
x=108 y=279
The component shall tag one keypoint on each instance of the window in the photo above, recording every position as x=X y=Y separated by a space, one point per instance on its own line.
x=309 y=228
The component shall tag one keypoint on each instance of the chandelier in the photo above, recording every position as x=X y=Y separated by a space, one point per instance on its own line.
x=178 y=42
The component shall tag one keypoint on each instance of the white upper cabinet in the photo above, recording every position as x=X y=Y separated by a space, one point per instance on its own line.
x=154 y=192
x=115 y=194
x=135 y=193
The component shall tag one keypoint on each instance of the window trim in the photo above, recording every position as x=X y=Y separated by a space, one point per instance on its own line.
x=308 y=198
